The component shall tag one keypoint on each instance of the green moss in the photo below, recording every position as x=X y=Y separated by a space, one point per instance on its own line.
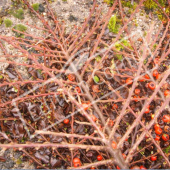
x=112 y=25
x=167 y=149
x=35 y=6
x=8 y=23
x=128 y=4
x=21 y=28
x=124 y=42
x=150 y=4
x=19 y=14
x=109 y=2
x=98 y=58
x=119 y=57
x=1 y=21
x=18 y=162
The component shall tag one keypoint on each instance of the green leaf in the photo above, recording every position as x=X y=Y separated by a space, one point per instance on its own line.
x=1 y=76
x=96 y=79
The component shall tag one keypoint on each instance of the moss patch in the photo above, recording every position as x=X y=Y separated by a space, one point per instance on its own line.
x=19 y=14
x=21 y=28
x=8 y=23
x=35 y=6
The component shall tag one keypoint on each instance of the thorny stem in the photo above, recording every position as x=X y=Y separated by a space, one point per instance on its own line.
x=67 y=135
x=53 y=145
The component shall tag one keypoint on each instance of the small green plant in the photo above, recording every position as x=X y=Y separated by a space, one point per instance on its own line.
x=19 y=14
x=35 y=6
x=8 y=23
x=21 y=28
x=113 y=26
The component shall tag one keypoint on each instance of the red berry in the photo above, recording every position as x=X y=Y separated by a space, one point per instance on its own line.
x=136 y=100
x=147 y=110
x=71 y=77
x=137 y=91
x=141 y=79
x=124 y=156
x=156 y=126
x=147 y=76
x=157 y=138
x=115 y=106
x=76 y=160
x=129 y=81
x=114 y=145
x=99 y=157
x=78 y=89
x=85 y=106
x=93 y=118
x=111 y=123
x=153 y=158
x=142 y=167
x=157 y=77
x=158 y=131
x=66 y=121
x=166 y=118
x=155 y=73
x=148 y=106
x=77 y=164
x=152 y=85
x=165 y=137
x=117 y=167
x=166 y=93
